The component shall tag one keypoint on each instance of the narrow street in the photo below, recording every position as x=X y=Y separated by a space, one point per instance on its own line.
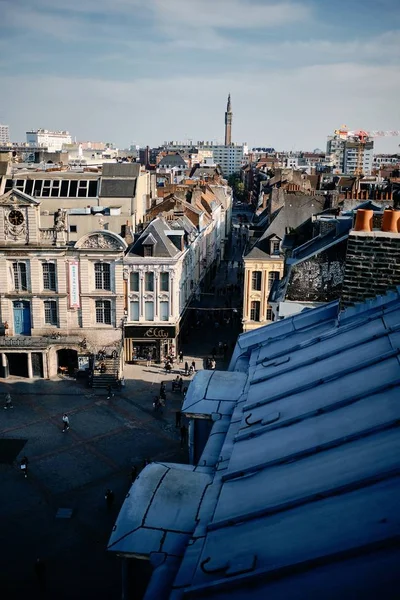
x=58 y=513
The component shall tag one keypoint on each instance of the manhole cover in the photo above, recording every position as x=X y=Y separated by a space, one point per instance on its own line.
x=64 y=513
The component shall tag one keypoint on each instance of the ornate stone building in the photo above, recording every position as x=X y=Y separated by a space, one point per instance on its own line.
x=60 y=300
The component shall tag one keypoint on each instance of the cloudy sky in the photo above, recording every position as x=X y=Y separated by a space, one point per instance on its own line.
x=145 y=71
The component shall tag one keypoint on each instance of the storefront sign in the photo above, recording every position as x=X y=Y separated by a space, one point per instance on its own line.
x=150 y=333
x=73 y=277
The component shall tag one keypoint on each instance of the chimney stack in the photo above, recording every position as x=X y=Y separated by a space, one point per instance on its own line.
x=372 y=265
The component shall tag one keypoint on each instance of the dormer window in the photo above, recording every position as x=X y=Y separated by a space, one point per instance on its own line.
x=149 y=244
x=275 y=247
x=147 y=250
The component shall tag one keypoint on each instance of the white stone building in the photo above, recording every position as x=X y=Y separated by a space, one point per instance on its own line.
x=52 y=140
x=162 y=271
x=60 y=300
x=4 y=134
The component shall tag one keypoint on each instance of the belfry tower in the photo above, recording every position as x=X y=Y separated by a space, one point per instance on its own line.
x=228 y=123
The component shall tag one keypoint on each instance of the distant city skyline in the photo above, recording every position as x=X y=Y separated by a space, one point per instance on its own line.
x=141 y=74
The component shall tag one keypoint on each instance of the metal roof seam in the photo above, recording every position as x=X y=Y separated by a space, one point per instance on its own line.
x=307 y=499
x=324 y=356
x=299 y=454
x=317 y=382
x=245 y=434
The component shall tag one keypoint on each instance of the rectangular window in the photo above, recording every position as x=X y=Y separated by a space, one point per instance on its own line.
x=102 y=277
x=73 y=228
x=103 y=311
x=256 y=280
x=20 y=278
x=49 y=276
x=29 y=187
x=92 y=189
x=64 y=188
x=37 y=190
x=149 y=282
x=164 y=311
x=73 y=186
x=149 y=311
x=272 y=276
x=164 y=282
x=269 y=314
x=134 y=282
x=50 y=312
x=134 y=311
x=255 y=311
x=148 y=250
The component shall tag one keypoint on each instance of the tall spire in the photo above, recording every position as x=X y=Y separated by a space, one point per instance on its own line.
x=228 y=122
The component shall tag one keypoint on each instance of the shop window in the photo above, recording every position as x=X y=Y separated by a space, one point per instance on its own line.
x=164 y=282
x=149 y=311
x=50 y=312
x=255 y=311
x=134 y=282
x=164 y=311
x=256 y=280
x=134 y=311
x=102 y=276
x=49 y=276
x=103 y=311
x=149 y=282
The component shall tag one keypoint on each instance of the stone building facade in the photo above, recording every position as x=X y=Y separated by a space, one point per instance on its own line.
x=59 y=300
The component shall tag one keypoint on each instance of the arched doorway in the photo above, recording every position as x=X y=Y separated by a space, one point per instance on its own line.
x=67 y=361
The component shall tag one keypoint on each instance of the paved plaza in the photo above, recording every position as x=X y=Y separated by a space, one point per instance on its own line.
x=59 y=513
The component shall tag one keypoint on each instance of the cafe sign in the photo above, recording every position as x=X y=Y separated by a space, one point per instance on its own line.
x=150 y=333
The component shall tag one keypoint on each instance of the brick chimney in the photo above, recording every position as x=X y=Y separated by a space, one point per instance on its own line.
x=373 y=257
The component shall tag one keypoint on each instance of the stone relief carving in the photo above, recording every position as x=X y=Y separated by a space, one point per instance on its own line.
x=101 y=241
x=14 y=232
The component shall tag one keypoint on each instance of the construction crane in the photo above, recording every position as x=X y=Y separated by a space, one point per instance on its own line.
x=361 y=138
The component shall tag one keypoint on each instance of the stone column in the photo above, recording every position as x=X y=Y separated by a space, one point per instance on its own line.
x=30 y=370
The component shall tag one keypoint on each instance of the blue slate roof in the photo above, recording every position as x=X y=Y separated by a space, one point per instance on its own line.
x=303 y=462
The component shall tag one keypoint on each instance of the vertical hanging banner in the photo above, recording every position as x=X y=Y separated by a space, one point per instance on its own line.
x=73 y=278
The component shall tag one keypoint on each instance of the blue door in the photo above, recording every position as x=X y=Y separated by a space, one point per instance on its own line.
x=22 y=318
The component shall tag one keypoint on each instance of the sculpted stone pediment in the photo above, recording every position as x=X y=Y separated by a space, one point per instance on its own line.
x=101 y=240
x=17 y=198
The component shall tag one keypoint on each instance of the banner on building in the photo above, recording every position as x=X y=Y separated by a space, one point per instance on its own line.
x=73 y=278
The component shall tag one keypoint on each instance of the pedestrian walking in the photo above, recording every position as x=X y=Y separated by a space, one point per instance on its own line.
x=184 y=435
x=65 y=422
x=180 y=357
x=178 y=418
x=109 y=497
x=148 y=360
x=194 y=366
x=110 y=393
x=24 y=466
x=186 y=368
x=40 y=571
x=8 y=401
x=134 y=473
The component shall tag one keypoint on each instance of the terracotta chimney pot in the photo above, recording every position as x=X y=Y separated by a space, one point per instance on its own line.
x=363 y=220
x=391 y=221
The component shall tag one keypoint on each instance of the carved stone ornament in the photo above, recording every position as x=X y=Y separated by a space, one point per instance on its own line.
x=101 y=242
x=13 y=229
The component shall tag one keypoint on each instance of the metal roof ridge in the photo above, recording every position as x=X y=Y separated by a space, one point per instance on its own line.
x=332 y=377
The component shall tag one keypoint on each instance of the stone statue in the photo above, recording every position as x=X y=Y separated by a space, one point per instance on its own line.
x=60 y=220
